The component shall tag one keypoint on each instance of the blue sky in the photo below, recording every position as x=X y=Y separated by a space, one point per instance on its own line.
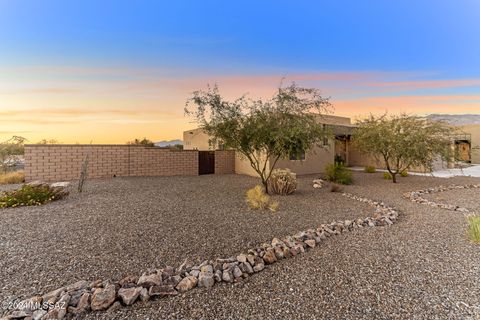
x=406 y=48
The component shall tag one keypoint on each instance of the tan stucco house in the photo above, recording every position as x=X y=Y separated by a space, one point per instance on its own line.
x=312 y=161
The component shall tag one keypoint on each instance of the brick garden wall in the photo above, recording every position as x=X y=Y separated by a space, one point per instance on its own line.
x=63 y=162
x=224 y=162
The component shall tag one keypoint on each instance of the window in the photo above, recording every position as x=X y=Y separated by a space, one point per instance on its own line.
x=325 y=141
x=300 y=155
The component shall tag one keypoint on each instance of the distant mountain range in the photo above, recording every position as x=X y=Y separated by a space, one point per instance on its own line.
x=456 y=119
x=168 y=143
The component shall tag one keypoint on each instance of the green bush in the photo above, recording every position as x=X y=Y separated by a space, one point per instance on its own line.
x=338 y=173
x=474 y=228
x=387 y=176
x=370 y=169
x=404 y=173
x=29 y=195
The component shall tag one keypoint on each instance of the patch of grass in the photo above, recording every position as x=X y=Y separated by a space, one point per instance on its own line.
x=12 y=177
x=338 y=173
x=404 y=173
x=257 y=199
x=335 y=187
x=370 y=169
x=387 y=176
x=474 y=228
x=29 y=195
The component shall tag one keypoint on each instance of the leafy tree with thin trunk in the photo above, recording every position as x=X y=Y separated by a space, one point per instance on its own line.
x=404 y=141
x=262 y=131
x=11 y=151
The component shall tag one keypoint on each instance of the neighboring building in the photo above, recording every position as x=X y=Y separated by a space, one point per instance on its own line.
x=310 y=162
x=473 y=131
x=196 y=139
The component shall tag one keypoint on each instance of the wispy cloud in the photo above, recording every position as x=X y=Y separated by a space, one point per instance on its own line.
x=118 y=104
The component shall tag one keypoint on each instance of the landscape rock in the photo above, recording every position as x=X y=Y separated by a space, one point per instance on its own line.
x=144 y=296
x=206 y=280
x=149 y=280
x=187 y=283
x=83 y=304
x=227 y=275
x=310 y=243
x=162 y=291
x=129 y=295
x=128 y=281
x=38 y=314
x=103 y=297
x=269 y=256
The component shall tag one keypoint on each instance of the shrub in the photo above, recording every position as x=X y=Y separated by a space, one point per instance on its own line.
x=387 y=176
x=474 y=228
x=335 y=187
x=404 y=173
x=31 y=195
x=370 y=169
x=282 y=181
x=338 y=173
x=12 y=177
x=258 y=199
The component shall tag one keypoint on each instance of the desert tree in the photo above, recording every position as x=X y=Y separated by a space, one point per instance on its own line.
x=262 y=130
x=10 y=152
x=404 y=141
x=142 y=142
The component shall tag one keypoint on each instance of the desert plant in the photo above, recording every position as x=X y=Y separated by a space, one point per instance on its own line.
x=387 y=176
x=335 y=187
x=12 y=177
x=142 y=142
x=474 y=228
x=404 y=141
x=31 y=195
x=338 y=173
x=339 y=159
x=83 y=174
x=404 y=173
x=370 y=169
x=257 y=199
x=262 y=131
x=11 y=152
x=282 y=181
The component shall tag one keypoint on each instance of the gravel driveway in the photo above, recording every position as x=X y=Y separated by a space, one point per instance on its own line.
x=422 y=267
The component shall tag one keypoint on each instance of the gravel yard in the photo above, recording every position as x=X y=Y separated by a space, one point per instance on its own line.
x=468 y=198
x=422 y=267
x=127 y=225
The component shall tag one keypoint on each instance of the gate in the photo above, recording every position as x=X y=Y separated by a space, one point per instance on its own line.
x=206 y=162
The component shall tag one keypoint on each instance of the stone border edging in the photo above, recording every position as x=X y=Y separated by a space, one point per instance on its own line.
x=84 y=296
x=416 y=196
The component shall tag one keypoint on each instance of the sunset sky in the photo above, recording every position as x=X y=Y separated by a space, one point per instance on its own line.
x=111 y=71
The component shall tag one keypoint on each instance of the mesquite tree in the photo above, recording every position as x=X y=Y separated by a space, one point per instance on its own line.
x=404 y=141
x=263 y=131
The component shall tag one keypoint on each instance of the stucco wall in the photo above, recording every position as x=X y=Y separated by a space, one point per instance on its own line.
x=474 y=130
x=196 y=139
x=242 y=165
x=315 y=160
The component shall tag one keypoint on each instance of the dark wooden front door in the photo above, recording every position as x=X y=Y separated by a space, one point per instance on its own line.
x=206 y=162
